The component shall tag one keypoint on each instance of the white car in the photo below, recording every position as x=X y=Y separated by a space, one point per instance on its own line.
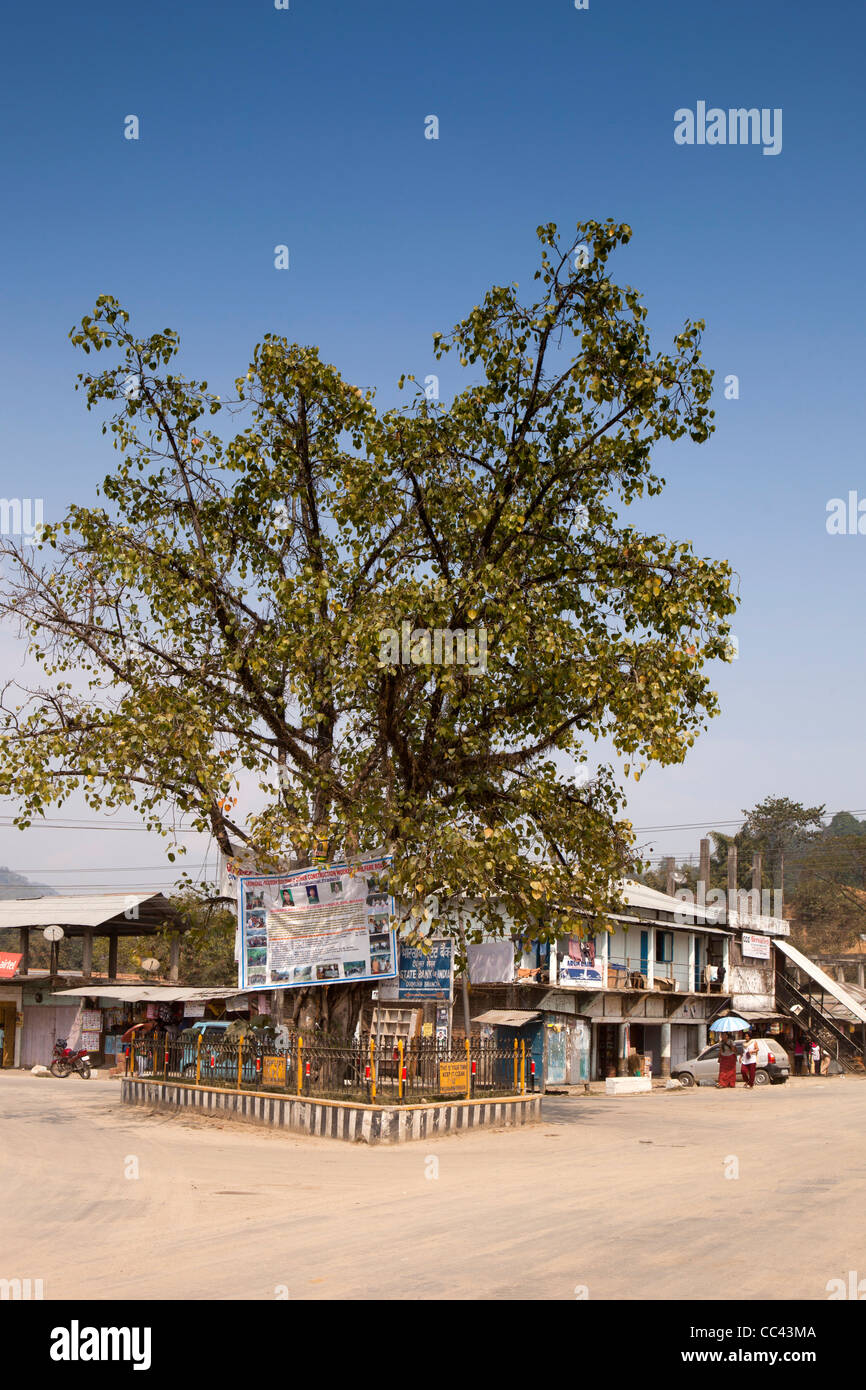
x=773 y=1064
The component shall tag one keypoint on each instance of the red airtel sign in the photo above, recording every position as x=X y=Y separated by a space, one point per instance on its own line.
x=8 y=964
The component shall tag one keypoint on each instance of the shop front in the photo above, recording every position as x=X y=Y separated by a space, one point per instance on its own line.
x=10 y=1017
x=644 y=1033
x=102 y=1022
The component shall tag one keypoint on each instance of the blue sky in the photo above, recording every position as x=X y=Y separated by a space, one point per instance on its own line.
x=306 y=127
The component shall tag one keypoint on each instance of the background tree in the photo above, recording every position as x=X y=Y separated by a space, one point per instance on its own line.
x=826 y=920
x=212 y=628
x=207 y=946
x=828 y=907
x=685 y=877
x=777 y=828
x=778 y=825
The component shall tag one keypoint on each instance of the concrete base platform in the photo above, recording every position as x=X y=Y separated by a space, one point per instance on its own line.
x=627 y=1085
x=335 y=1119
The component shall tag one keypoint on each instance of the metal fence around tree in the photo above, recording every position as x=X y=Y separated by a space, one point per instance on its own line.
x=337 y=1069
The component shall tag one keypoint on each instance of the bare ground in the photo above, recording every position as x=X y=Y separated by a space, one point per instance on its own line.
x=627 y=1198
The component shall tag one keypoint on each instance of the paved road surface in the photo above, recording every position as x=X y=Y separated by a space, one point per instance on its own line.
x=627 y=1197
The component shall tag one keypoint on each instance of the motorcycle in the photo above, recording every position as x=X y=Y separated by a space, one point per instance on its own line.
x=65 y=1061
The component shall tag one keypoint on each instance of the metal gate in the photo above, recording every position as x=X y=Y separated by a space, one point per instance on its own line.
x=43 y=1023
x=581 y=1050
x=557 y=1038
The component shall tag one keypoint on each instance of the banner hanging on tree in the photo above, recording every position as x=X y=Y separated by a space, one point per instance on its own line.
x=317 y=926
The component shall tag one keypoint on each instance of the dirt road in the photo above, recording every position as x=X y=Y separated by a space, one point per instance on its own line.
x=630 y=1198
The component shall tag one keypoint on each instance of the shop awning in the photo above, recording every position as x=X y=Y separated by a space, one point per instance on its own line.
x=761 y=1017
x=141 y=994
x=507 y=1018
x=817 y=974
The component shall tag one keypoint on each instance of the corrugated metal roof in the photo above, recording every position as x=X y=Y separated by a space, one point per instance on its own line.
x=81 y=910
x=832 y=1006
x=752 y=1017
x=139 y=994
x=507 y=1018
x=641 y=895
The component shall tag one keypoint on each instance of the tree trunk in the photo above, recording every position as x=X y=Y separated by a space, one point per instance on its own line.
x=331 y=1009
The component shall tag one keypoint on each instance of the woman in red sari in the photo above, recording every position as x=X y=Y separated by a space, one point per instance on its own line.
x=727 y=1061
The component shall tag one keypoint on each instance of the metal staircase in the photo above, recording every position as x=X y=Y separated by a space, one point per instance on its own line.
x=818 y=1025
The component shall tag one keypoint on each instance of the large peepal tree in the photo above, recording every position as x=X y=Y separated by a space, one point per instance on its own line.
x=210 y=628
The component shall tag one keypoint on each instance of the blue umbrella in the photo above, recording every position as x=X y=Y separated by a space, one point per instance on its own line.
x=729 y=1024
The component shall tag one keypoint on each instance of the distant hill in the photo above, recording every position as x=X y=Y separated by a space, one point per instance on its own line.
x=843 y=823
x=14 y=885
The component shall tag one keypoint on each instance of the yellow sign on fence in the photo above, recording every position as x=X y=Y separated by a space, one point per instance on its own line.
x=452 y=1076
x=273 y=1071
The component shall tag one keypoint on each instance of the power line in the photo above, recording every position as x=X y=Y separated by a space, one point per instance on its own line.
x=79 y=824
x=7 y=821
x=710 y=824
x=98 y=869
x=133 y=887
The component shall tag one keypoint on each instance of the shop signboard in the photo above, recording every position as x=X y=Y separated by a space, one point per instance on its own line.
x=317 y=926
x=756 y=946
x=9 y=962
x=580 y=967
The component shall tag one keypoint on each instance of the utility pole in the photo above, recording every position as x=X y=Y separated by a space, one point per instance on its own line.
x=732 y=880
x=704 y=873
x=668 y=870
x=757 y=880
x=467 y=1026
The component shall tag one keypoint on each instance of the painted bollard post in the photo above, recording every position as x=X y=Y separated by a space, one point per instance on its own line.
x=198 y=1060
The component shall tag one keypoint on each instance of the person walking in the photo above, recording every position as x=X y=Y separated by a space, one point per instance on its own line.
x=750 y=1060
x=727 y=1061
x=816 y=1059
x=798 y=1056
